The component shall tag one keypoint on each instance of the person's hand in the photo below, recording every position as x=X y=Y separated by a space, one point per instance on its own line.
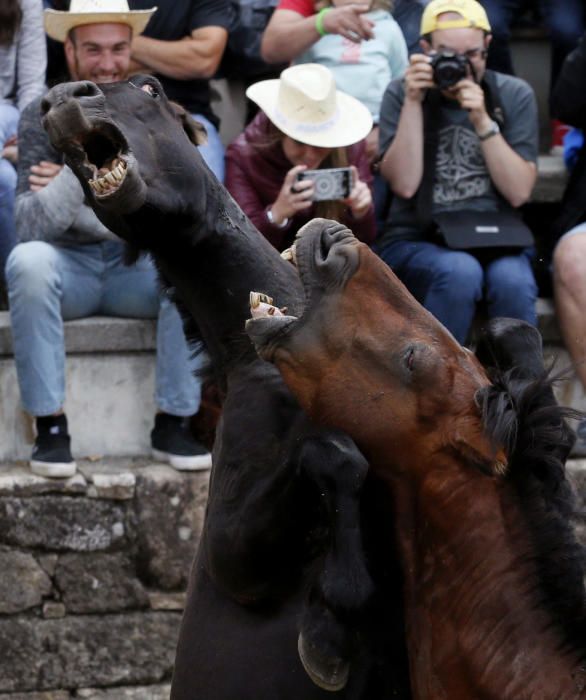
x=347 y=21
x=294 y=196
x=42 y=174
x=372 y=145
x=418 y=77
x=470 y=96
x=360 y=197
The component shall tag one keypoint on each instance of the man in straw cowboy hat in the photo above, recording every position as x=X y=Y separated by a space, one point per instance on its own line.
x=68 y=265
x=459 y=146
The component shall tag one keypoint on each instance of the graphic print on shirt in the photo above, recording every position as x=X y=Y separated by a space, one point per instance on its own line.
x=350 y=51
x=461 y=172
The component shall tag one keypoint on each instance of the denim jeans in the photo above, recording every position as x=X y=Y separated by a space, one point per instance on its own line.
x=563 y=20
x=213 y=151
x=449 y=283
x=9 y=116
x=48 y=284
x=407 y=14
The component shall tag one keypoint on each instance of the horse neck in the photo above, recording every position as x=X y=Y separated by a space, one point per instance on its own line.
x=214 y=259
x=476 y=626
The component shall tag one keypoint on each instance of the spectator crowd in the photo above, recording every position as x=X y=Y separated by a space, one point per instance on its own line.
x=404 y=120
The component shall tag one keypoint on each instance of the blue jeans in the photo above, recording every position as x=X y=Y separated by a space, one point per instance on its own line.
x=48 y=284
x=213 y=151
x=9 y=116
x=449 y=283
x=563 y=20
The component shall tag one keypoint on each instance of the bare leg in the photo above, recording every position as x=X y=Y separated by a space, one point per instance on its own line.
x=570 y=297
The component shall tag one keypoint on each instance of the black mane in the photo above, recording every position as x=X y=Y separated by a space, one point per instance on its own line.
x=522 y=415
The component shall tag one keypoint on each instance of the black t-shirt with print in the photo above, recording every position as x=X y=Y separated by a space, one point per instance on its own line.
x=174 y=20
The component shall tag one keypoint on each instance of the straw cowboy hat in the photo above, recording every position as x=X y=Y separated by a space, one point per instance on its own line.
x=305 y=105
x=58 y=24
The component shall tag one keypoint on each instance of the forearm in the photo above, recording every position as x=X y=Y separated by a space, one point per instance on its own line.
x=285 y=39
x=512 y=175
x=185 y=59
x=46 y=214
x=402 y=164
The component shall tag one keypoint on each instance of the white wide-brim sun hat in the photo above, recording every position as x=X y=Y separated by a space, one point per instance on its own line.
x=304 y=104
x=59 y=23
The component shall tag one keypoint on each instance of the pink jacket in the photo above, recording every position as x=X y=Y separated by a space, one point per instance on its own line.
x=254 y=177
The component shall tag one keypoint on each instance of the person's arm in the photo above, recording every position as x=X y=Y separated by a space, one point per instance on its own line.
x=512 y=174
x=238 y=183
x=402 y=162
x=194 y=56
x=289 y=33
x=31 y=58
x=568 y=99
x=42 y=214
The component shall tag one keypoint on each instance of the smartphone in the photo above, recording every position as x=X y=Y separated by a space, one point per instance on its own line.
x=329 y=183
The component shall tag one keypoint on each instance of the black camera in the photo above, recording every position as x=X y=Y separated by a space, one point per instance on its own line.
x=449 y=68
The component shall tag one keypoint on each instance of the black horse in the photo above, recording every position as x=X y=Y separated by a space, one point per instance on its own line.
x=291 y=557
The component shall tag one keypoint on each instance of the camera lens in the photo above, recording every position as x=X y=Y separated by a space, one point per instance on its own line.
x=448 y=69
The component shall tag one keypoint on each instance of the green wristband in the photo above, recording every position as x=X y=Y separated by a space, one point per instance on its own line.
x=319 y=21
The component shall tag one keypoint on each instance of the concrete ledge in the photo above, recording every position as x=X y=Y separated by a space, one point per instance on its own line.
x=551 y=179
x=96 y=334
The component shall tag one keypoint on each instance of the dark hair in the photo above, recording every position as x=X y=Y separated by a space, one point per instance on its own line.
x=338 y=158
x=10 y=19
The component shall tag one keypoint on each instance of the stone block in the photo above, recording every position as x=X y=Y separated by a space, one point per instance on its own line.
x=51 y=695
x=151 y=692
x=167 y=601
x=86 y=651
x=65 y=523
x=98 y=583
x=53 y=610
x=20 y=481
x=119 y=486
x=23 y=582
x=170 y=508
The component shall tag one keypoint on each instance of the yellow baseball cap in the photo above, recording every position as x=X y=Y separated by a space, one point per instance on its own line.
x=472 y=14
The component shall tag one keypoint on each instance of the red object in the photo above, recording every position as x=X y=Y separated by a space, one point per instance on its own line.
x=303 y=7
x=558 y=132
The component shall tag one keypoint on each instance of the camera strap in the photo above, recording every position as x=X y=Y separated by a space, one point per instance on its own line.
x=431 y=113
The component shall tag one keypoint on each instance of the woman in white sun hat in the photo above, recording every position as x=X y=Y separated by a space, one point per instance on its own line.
x=303 y=123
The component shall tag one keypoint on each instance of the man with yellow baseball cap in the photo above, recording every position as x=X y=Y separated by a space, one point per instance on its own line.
x=459 y=148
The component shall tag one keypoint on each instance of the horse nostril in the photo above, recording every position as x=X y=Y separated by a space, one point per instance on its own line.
x=85 y=88
x=45 y=106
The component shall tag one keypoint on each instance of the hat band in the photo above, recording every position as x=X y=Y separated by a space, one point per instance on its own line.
x=307 y=128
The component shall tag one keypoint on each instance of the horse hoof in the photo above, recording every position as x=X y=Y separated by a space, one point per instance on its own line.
x=327 y=673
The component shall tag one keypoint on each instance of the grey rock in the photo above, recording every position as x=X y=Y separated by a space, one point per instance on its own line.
x=87 y=651
x=151 y=692
x=23 y=582
x=53 y=610
x=94 y=583
x=48 y=562
x=20 y=481
x=118 y=487
x=64 y=523
x=170 y=508
x=50 y=695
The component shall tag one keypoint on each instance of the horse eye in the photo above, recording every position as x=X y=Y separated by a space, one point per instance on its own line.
x=410 y=359
x=151 y=89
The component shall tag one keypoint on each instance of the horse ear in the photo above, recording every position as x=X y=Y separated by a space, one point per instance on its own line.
x=507 y=343
x=196 y=131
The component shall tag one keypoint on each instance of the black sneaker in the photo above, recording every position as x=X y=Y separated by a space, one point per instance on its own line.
x=52 y=452
x=172 y=442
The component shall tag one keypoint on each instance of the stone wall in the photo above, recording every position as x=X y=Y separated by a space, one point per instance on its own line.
x=93 y=578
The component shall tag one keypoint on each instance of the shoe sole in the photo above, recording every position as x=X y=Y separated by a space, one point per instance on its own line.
x=53 y=470
x=184 y=464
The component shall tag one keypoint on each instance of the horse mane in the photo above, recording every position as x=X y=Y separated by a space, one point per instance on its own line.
x=522 y=414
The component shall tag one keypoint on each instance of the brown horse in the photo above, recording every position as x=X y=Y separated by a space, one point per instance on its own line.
x=474 y=459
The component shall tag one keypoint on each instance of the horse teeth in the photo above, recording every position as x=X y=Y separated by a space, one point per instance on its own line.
x=110 y=178
x=287 y=254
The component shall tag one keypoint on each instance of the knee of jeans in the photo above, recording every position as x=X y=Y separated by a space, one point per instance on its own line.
x=30 y=268
x=463 y=273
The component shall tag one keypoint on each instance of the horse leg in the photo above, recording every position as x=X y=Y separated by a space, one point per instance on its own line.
x=342 y=585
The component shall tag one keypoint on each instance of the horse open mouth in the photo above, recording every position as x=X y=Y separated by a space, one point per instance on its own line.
x=106 y=157
x=321 y=255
